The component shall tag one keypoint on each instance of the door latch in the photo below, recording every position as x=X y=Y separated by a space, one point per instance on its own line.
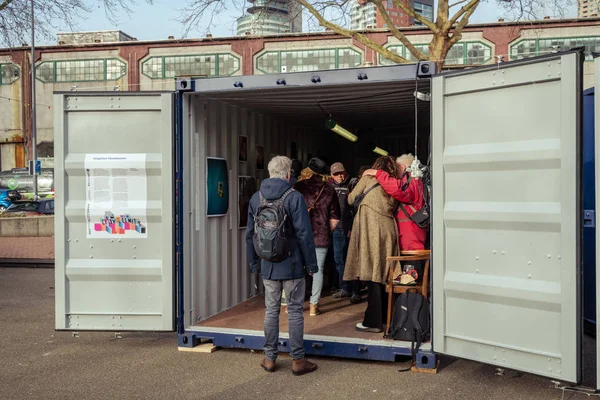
x=589 y=218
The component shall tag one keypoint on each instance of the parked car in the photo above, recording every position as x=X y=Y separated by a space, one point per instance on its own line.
x=7 y=197
x=30 y=207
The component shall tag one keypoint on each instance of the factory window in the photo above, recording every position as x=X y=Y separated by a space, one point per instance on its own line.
x=274 y=62
x=208 y=65
x=9 y=73
x=467 y=53
x=81 y=70
x=533 y=47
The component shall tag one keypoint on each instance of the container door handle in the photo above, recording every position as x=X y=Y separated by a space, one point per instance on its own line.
x=589 y=219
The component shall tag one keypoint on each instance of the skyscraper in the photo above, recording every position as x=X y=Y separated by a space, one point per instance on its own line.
x=268 y=17
x=589 y=8
x=364 y=15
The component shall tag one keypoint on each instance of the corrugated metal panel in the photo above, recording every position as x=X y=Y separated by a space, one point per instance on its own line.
x=506 y=216
x=119 y=279
x=217 y=275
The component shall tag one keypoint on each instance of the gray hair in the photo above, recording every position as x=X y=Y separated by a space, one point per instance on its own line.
x=405 y=159
x=280 y=167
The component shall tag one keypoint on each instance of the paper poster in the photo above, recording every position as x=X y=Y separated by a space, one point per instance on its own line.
x=116 y=196
x=217 y=187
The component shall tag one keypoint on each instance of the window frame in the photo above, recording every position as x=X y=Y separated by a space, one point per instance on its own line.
x=104 y=63
x=406 y=54
x=537 y=44
x=336 y=57
x=215 y=55
x=10 y=64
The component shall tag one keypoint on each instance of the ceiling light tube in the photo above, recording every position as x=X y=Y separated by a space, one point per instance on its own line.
x=331 y=124
x=380 y=151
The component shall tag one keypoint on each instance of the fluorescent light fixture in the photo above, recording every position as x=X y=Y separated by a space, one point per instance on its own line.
x=380 y=151
x=346 y=134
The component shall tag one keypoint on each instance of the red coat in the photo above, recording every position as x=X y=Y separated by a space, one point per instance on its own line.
x=412 y=236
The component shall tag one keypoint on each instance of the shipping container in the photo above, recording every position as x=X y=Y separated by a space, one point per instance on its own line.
x=151 y=189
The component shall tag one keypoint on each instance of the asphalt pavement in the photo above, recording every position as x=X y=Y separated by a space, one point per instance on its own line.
x=36 y=362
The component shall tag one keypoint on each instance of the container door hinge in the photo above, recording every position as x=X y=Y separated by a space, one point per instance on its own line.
x=589 y=218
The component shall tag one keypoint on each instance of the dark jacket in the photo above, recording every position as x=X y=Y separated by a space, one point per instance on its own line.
x=302 y=242
x=326 y=208
x=342 y=191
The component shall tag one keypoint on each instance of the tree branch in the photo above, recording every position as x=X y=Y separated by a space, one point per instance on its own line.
x=5 y=4
x=352 y=34
x=457 y=3
x=458 y=30
x=397 y=34
x=410 y=11
x=470 y=7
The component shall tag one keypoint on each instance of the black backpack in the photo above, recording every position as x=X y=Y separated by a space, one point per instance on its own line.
x=410 y=321
x=271 y=239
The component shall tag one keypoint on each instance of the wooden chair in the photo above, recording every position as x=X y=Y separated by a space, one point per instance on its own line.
x=422 y=285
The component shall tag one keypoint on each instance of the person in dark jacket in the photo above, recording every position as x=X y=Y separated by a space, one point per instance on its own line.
x=341 y=235
x=289 y=274
x=324 y=210
x=296 y=171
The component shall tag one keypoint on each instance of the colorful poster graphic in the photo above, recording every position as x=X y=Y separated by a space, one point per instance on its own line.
x=217 y=187
x=246 y=189
x=116 y=196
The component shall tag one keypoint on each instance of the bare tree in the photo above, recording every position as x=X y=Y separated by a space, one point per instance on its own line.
x=451 y=18
x=50 y=15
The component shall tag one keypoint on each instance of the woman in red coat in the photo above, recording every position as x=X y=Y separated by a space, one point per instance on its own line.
x=412 y=236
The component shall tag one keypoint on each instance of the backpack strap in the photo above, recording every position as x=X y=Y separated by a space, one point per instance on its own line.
x=391 y=333
x=418 y=329
x=317 y=199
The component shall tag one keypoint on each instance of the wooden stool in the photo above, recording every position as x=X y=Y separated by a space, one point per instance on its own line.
x=391 y=288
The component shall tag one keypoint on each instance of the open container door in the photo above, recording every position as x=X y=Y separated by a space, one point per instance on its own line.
x=506 y=215
x=597 y=161
x=114 y=211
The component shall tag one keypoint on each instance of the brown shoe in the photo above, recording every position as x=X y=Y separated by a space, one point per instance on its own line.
x=314 y=310
x=303 y=366
x=268 y=365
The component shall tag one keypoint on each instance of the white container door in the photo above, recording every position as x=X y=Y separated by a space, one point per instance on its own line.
x=506 y=216
x=114 y=211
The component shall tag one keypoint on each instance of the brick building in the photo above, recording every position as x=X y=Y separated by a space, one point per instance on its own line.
x=153 y=65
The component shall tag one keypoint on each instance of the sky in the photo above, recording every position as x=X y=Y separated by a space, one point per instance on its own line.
x=159 y=21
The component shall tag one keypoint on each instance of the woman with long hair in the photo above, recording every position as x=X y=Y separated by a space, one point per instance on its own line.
x=374 y=237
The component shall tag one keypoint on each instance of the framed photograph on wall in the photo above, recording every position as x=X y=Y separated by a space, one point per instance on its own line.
x=242 y=148
x=246 y=188
x=260 y=157
x=217 y=187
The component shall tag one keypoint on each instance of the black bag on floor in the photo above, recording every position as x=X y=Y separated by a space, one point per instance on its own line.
x=410 y=320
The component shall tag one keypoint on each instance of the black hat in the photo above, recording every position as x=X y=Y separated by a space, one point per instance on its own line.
x=318 y=166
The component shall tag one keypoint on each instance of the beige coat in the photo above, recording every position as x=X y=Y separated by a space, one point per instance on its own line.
x=374 y=234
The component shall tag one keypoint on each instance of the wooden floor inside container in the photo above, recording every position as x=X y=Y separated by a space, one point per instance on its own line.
x=338 y=318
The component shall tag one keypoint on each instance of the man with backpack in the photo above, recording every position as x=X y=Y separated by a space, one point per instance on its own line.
x=280 y=244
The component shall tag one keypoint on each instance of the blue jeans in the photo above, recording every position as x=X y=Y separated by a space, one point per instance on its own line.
x=317 y=285
x=340 y=250
x=294 y=291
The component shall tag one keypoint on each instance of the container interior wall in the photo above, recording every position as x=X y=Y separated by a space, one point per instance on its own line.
x=215 y=266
